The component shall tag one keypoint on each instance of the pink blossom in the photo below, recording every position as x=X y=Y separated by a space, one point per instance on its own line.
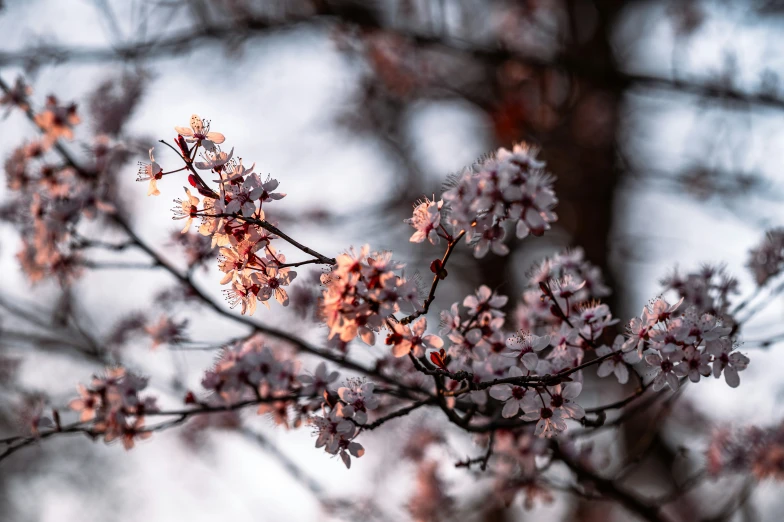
x=199 y=132
x=426 y=220
x=151 y=172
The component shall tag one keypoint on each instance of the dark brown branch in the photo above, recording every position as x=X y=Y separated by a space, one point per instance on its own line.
x=483 y=460
x=16 y=443
x=436 y=279
x=609 y=489
x=402 y=412
x=108 y=265
x=263 y=223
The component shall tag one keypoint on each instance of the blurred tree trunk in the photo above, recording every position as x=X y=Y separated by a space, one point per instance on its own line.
x=578 y=132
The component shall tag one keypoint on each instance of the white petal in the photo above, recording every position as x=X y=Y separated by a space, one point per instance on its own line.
x=502 y=392
x=510 y=409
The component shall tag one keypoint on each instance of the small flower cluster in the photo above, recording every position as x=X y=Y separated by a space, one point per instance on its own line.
x=252 y=368
x=571 y=263
x=166 y=331
x=232 y=216
x=52 y=195
x=113 y=405
x=362 y=293
x=509 y=186
x=533 y=313
x=516 y=472
x=342 y=419
x=709 y=290
x=679 y=344
x=767 y=259
x=751 y=450
x=255 y=278
x=356 y=400
x=57 y=121
x=480 y=346
x=477 y=330
x=336 y=435
x=549 y=406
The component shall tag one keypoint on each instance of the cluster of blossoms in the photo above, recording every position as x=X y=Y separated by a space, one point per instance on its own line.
x=342 y=420
x=480 y=346
x=534 y=314
x=767 y=259
x=252 y=368
x=232 y=216
x=362 y=293
x=507 y=187
x=526 y=376
x=751 y=450
x=680 y=344
x=709 y=290
x=56 y=120
x=53 y=196
x=516 y=453
x=113 y=405
x=159 y=330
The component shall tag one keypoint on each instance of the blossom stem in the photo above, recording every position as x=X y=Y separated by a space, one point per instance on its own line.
x=263 y=223
x=397 y=414
x=432 y=294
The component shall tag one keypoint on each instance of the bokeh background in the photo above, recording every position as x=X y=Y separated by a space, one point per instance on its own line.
x=662 y=121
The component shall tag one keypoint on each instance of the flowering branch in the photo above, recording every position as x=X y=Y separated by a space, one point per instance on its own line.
x=188 y=160
x=16 y=443
x=402 y=412
x=439 y=268
x=512 y=382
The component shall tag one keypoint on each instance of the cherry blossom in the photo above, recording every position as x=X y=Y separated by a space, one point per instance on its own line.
x=335 y=435
x=724 y=359
x=319 y=382
x=562 y=397
x=420 y=342
x=214 y=160
x=151 y=172
x=426 y=220
x=57 y=121
x=513 y=397
x=17 y=95
x=358 y=399
x=697 y=363
x=267 y=191
x=767 y=259
x=199 y=132
x=618 y=364
x=271 y=281
x=485 y=301
x=549 y=422
x=525 y=347
x=87 y=405
x=166 y=331
x=667 y=371
x=188 y=209
x=113 y=404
